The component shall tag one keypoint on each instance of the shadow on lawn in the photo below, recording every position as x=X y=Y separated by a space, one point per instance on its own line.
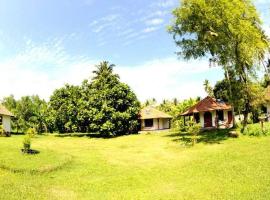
x=207 y=137
x=90 y=135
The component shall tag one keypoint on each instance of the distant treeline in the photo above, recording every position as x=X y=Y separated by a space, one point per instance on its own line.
x=102 y=105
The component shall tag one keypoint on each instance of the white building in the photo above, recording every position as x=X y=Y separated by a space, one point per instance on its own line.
x=152 y=119
x=5 y=118
x=211 y=113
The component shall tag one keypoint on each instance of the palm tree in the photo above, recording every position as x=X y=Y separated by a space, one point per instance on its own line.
x=103 y=69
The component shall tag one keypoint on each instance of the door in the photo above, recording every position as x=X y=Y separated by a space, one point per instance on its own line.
x=207 y=119
x=230 y=117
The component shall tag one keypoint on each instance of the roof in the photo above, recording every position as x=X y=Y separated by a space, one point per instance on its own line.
x=207 y=104
x=152 y=113
x=4 y=111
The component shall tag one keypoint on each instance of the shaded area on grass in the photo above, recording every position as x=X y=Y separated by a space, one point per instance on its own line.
x=90 y=135
x=30 y=151
x=215 y=136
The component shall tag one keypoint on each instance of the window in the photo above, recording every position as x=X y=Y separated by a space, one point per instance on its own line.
x=220 y=115
x=148 y=122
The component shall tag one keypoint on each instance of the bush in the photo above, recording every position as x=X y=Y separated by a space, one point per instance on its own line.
x=31 y=132
x=193 y=129
x=256 y=130
x=2 y=132
x=26 y=144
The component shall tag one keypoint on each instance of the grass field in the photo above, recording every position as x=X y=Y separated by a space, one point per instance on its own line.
x=146 y=166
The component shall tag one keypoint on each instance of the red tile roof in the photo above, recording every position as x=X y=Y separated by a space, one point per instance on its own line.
x=207 y=104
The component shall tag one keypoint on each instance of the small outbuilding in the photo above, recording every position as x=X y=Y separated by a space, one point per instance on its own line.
x=211 y=113
x=5 y=118
x=152 y=119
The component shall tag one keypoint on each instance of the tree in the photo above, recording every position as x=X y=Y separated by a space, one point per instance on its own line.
x=64 y=108
x=208 y=89
x=29 y=111
x=112 y=108
x=228 y=32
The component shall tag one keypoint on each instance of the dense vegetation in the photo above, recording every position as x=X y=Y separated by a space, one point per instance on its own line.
x=230 y=34
x=103 y=105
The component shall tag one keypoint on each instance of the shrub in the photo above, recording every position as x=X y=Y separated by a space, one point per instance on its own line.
x=193 y=129
x=26 y=144
x=2 y=132
x=31 y=132
x=256 y=130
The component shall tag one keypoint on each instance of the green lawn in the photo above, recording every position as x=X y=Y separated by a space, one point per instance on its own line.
x=146 y=166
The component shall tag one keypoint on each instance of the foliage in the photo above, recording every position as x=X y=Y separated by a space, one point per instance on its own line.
x=256 y=95
x=228 y=31
x=29 y=111
x=150 y=102
x=102 y=105
x=31 y=132
x=193 y=129
x=175 y=108
x=26 y=143
x=2 y=132
x=257 y=130
x=111 y=108
x=208 y=89
x=64 y=108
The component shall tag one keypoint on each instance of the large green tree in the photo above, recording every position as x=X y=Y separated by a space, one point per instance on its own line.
x=227 y=32
x=64 y=109
x=109 y=106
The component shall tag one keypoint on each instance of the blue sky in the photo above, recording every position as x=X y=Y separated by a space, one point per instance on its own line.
x=46 y=43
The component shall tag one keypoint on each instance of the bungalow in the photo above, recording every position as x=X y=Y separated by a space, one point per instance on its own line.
x=153 y=119
x=5 y=118
x=211 y=113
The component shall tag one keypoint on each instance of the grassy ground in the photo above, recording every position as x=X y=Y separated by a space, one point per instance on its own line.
x=145 y=166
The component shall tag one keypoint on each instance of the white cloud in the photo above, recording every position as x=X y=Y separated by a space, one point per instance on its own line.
x=101 y=24
x=40 y=69
x=155 y=21
x=168 y=78
x=167 y=3
x=150 y=29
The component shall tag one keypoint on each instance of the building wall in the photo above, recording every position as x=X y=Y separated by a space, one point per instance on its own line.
x=158 y=124
x=214 y=117
x=6 y=121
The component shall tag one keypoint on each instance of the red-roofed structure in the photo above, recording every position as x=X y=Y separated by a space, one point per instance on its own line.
x=211 y=112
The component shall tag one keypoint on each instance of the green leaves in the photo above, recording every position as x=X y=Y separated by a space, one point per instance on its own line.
x=228 y=32
x=102 y=105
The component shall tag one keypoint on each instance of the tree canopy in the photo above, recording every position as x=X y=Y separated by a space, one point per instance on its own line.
x=229 y=33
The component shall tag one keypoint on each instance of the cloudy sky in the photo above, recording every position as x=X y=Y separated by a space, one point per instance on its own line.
x=46 y=43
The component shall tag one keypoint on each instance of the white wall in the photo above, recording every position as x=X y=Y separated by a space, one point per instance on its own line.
x=158 y=124
x=7 y=123
x=213 y=118
x=202 y=119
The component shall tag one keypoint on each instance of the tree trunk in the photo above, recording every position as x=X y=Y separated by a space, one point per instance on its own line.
x=246 y=112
